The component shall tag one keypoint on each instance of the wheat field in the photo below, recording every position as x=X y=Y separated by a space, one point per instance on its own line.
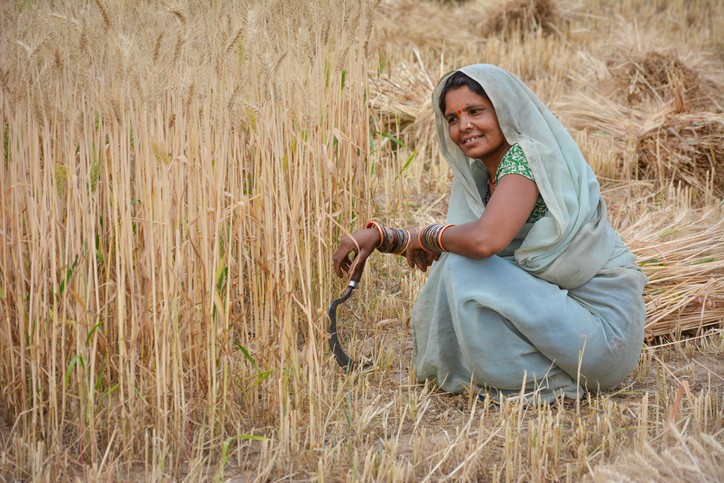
x=176 y=176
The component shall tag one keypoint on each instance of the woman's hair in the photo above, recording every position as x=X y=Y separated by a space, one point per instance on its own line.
x=455 y=81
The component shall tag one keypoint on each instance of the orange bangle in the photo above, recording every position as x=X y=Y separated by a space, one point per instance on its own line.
x=419 y=241
x=439 y=237
x=376 y=225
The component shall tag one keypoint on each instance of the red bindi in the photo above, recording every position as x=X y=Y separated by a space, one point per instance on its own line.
x=459 y=112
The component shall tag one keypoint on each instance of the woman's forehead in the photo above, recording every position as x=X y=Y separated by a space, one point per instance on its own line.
x=462 y=98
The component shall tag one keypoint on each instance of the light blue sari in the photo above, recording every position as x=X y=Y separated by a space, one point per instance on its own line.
x=559 y=311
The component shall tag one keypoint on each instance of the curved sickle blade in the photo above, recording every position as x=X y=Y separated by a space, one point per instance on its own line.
x=339 y=354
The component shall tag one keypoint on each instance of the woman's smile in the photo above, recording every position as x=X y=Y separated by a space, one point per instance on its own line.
x=473 y=126
x=471 y=140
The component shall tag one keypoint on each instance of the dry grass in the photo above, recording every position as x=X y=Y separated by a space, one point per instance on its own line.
x=691 y=459
x=174 y=180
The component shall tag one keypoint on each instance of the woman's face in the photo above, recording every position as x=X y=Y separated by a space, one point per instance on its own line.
x=473 y=125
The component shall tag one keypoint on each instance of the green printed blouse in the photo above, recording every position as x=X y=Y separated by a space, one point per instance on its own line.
x=514 y=162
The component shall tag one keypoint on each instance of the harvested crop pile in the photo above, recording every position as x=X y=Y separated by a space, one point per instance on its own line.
x=686 y=148
x=404 y=24
x=682 y=141
x=663 y=114
x=680 y=251
x=402 y=101
x=525 y=16
x=662 y=76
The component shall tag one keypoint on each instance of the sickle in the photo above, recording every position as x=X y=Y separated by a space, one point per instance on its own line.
x=339 y=354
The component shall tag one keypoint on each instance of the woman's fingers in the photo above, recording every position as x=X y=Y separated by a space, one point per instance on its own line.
x=357 y=268
x=341 y=257
x=410 y=257
x=353 y=252
x=343 y=265
x=424 y=260
x=417 y=257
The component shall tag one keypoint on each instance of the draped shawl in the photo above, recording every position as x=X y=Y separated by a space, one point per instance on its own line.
x=574 y=240
x=558 y=311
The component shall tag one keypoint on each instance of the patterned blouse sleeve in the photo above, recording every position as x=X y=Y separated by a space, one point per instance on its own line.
x=514 y=162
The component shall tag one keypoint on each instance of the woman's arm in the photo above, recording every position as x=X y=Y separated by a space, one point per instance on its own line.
x=507 y=211
x=353 y=251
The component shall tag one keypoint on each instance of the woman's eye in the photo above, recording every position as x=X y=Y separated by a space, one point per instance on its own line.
x=451 y=120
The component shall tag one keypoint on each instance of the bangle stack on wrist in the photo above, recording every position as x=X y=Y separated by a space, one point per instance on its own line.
x=392 y=240
x=430 y=237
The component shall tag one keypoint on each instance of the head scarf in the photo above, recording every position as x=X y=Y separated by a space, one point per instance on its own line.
x=574 y=240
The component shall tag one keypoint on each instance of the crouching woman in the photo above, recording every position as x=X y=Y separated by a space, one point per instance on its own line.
x=529 y=285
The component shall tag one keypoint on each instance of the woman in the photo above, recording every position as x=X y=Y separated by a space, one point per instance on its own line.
x=530 y=286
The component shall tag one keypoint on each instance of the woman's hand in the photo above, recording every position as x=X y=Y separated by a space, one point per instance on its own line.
x=360 y=246
x=417 y=256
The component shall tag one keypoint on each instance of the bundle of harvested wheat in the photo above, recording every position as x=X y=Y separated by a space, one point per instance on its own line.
x=686 y=148
x=681 y=251
x=524 y=16
x=661 y=76
x=401 y=102
x=662 y=114
x=680 y=126
x=401 y=94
